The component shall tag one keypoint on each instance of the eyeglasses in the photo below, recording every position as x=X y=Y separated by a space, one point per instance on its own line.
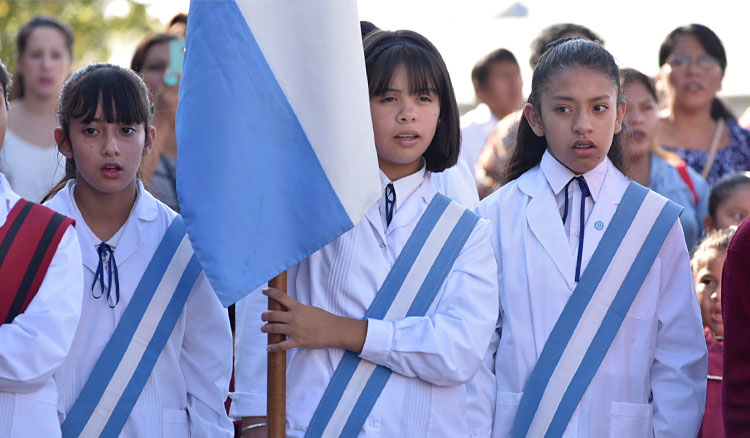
x=681 y=61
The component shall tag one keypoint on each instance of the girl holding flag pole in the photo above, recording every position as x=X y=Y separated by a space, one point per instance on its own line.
x=387 y=324
x=599 y=332
x=152 y=356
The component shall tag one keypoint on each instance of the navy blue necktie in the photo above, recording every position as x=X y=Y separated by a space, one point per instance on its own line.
x=390 y=203
x=585 y=192
x=106 y=253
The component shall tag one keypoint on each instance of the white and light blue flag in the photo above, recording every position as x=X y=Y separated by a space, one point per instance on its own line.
x=276 y=151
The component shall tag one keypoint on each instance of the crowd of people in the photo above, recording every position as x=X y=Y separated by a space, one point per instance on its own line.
x=544 y=265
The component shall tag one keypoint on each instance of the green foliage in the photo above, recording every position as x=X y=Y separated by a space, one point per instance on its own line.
x=91 y=27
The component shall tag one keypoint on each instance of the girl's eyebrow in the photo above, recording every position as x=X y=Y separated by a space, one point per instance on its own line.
x=570 y=98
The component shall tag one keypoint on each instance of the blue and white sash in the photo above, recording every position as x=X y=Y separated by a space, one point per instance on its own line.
x=409 y=290
x=593 y=314
x=104 y=404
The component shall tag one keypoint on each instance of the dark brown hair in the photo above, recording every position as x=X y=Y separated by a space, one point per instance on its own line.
x=385 y=52
x=576 y=52
x=123 y=97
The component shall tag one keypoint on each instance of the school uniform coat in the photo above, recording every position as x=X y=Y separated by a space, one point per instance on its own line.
x=34 y=345
x=659 y=350
x=432 y=357
x=185 y=394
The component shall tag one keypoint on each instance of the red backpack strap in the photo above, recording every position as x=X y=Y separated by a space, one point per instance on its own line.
x=682 y=169
x=28 y=242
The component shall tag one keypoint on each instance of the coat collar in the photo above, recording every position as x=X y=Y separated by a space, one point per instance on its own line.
x=144 y=212
x=551 y=232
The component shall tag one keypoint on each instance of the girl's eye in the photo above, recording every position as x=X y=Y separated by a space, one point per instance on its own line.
x=738 y=216
x=385 y=99
x=128 y=130
x=600 y=108
x=708 y=281
x=562 y=109
x=424 y=98
x=89 y=131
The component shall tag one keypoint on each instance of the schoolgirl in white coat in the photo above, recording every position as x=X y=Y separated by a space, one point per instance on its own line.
x=651 y=381
x=185 y=392
x=35 y=343
x=432 y=357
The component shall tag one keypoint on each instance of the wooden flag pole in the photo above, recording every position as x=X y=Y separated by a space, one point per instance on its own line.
x=276 y=377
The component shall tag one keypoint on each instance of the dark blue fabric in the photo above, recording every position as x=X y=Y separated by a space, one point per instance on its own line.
x=106 y=253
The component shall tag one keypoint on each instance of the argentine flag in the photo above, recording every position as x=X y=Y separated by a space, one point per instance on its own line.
x=276 y=151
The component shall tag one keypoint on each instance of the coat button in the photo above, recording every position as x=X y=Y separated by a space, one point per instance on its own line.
x=599 y=225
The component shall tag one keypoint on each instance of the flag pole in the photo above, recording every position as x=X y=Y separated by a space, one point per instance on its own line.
x=276 y=377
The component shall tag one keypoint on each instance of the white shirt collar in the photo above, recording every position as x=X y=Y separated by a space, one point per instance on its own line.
x=95 y=240
x=404 y=187
x=558 y=175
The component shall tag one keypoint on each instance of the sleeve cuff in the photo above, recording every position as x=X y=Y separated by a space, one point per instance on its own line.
x=377 y=348
x=247 y=405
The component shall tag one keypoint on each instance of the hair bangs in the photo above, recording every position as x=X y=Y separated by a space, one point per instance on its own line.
x=421 y=70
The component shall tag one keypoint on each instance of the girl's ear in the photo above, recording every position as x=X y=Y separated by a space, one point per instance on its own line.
x=63 y=144
x=534 y=119
x=708 y=224
x=149 y=144
x=620 y=114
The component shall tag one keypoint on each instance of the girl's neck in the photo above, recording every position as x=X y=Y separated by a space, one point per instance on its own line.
x=640 y=169
x=42 y=106
x=104 y=213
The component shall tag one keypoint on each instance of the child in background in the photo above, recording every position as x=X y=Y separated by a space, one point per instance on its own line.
x=707 y=264
x=728 y=202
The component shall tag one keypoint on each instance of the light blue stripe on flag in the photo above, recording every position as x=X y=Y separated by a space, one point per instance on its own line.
x=254 y=195
x=566 y=324
x=115 y=349
x=614 y=317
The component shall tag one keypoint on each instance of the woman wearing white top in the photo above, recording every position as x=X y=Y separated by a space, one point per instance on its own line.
x=29 y=158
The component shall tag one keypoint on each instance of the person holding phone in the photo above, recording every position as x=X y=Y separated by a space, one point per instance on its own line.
x=158 y=59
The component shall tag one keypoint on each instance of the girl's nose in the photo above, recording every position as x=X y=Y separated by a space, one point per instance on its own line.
x=582 y=124
x=407 y=114
x=111 y=149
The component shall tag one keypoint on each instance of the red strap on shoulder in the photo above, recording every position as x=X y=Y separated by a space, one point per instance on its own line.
x=28 y=242
x=685 y=175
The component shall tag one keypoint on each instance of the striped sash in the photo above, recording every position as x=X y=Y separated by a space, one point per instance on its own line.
x=592 y=316
x=127 y=360
x=409 y=290
x=28 y=242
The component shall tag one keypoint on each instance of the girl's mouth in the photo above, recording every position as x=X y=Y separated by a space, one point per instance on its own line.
x=637 y=135
x=407 y=139
x=111 y=170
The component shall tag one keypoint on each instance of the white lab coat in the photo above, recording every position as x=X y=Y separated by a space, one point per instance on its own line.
x=432 y=357
x=34 y=345
x=659 y=349
x=185 y=394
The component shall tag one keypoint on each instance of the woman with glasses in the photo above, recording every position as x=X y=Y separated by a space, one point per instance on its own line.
x=696 y=124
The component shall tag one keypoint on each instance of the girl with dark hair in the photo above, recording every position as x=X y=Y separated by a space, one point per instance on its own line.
x=40 y=304
x=599 y=332
x=44 y=50
x=650 y=165
x=729 y=201
x=333 y=327
x=698 y=126
x=131 y=248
